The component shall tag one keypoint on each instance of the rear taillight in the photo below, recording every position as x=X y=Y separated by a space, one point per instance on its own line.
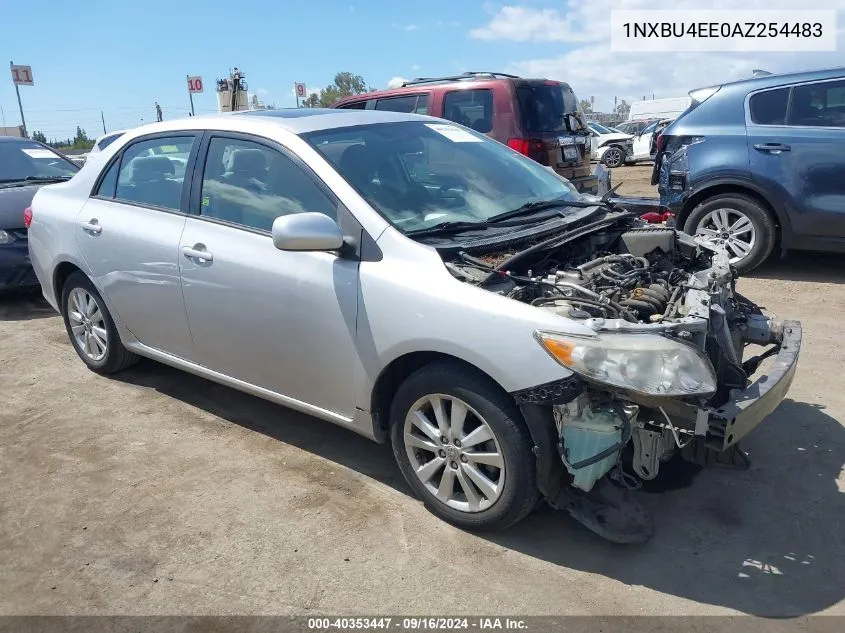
x=27 y=217
x=534 y=148
x=661 y=142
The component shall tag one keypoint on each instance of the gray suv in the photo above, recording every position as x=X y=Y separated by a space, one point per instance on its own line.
x=758 y=164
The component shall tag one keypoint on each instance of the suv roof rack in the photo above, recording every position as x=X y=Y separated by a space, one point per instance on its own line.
x=463 y=76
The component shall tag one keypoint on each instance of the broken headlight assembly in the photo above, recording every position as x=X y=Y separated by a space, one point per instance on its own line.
x=647 y=364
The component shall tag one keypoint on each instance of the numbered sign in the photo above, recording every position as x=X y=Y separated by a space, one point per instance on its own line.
x=22 y=75
x=300 y=90
x=194 y=84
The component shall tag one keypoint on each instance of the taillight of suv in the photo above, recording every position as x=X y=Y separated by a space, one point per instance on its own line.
x=533 y=148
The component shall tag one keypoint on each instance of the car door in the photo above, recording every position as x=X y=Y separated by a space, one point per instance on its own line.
x=795 y=139
x=642 y=143
x=283 y=321
x=128 y=233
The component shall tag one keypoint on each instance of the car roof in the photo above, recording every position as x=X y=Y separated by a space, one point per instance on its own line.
x=16 y=139
x=462 y=83
x=770 y=81
x=294 y=120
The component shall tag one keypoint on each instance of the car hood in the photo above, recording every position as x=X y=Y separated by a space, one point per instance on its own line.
x=618 y=136
x=13 y=200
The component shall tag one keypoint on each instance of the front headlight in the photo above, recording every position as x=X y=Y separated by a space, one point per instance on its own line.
x=645 y=363
x=6 y=237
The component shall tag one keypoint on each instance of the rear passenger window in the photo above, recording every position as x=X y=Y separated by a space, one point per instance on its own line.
x=422 y=104
x=472 y=108
x=152 y=172
x=406 y=104
x=357 y=105
x=769 y=108
x=251 y=184
x=109 y=182
x=818 y=105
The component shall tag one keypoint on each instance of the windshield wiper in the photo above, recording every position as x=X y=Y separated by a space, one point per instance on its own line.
x=447 y=228
x=530 y=207
x=29 y=179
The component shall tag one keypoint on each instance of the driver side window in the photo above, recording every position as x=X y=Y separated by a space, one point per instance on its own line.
x=250 y=184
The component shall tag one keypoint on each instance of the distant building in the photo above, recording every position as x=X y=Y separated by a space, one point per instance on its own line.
x=16 y=130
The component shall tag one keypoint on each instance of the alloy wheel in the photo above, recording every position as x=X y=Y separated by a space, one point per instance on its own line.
x=613 y=157
x=729 y=228
x=87 y=324
x=454 y=453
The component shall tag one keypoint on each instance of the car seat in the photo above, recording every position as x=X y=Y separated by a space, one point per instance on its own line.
x=150 y=183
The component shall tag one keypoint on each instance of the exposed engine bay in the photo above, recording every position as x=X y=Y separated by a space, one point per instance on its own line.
x=630 y=277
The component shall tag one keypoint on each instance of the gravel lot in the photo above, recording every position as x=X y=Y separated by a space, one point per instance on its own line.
x=155 y=492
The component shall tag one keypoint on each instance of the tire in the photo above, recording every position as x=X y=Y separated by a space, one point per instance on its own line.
x=109 y=355
x=487 y=407
x=613 y=157
x=720 y=213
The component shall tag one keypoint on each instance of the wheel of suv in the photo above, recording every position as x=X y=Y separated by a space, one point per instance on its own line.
x=738 y=223
x=463 y=447
x=91 y=328
x=613 y=157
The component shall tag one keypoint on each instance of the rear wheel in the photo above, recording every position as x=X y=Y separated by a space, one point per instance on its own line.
x=91 y=329
x=739 y=224
x=463 y=447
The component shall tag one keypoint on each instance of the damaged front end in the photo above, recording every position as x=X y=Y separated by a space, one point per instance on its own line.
x=668 y=373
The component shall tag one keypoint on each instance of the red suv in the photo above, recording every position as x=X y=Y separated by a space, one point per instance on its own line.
x=536 y=117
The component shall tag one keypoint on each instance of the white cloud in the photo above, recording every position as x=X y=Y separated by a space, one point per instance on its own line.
x=415 y=67
x=592 y=70
x=405 y=27
x=396 y=82
x=522 y=24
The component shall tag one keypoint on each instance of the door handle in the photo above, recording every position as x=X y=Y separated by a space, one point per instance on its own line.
x=196 y=253
x=772 y=147
x=92 y=226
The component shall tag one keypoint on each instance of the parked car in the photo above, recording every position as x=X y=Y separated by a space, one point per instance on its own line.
x=633 y=127
x=537 y=117
x=415 y=281
x=610 y=148
x=644 y=144
x=757 y=164
x=25 y=166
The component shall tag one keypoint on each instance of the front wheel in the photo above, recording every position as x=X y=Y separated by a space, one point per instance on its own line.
x=463 y=447
x=737 y=223
x=91 y=329
x=613 y=157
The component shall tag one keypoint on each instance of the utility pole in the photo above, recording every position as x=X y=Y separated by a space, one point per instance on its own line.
x=103 y=119
x=20 y=106
x=190 y=94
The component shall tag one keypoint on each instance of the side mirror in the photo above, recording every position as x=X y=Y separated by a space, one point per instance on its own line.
x=306 y=232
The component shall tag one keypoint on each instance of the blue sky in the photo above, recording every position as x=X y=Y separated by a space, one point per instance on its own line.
x=121 y=57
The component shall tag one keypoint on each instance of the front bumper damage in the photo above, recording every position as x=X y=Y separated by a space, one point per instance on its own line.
x=746 y=409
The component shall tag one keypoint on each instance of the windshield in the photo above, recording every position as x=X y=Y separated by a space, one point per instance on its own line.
x=543 y=106
x=22 y=160
x=601 y=129
x=418 y=174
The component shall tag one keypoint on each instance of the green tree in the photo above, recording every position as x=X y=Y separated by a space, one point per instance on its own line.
x=81 y=140
x=39 y=136
x=586 y=106
x=344 y=85
x=622 y=109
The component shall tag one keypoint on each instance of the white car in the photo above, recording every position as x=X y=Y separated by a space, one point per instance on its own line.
x=644 y=144
x=610 y=148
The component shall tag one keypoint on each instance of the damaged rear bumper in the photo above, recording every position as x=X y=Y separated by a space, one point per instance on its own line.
x=733 y=421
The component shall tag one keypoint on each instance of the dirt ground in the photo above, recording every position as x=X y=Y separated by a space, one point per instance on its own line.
x=155 y=492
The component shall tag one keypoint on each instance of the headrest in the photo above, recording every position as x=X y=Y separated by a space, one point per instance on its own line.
x=151 y=168
x=251 y=160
